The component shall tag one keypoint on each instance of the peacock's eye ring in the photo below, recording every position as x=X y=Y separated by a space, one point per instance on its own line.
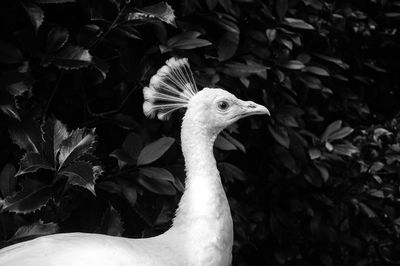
x=223 y=105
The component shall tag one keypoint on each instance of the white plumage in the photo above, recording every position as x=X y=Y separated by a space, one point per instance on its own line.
x=202 y=230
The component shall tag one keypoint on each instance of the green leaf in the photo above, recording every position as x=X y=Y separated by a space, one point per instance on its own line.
x=161 y=11
x=31 y=162
x=234 y=141
x=157 y=173
x=82 y=174
x=231 y=172
x=36 y=229
x=281 y=7
x=31 y=197
x=191 y=44
x=334 y=126
x=228 y=41
x=56 y=39
x=10 y=54
x=367 y=210
x=317 y=71
x=7 y=180
x=236 y=69
x=112 y=222
x=157 y=186
x=35 y=13
x=346 y=149
x=224 y=144
x=340 y=134
x=310 y=81
x=154 y=150
x=133 y=144
x=280 y=134
x=128 y=190
x=211 y=4
x=298 y=23
x=76 y=145
x=293 y=65
x=336 y=61
x=54 y=1
x=314 y=153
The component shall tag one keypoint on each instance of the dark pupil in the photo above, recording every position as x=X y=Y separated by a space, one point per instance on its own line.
x=223 y=105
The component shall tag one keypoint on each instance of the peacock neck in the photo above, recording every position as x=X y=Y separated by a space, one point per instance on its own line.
x=203 y=184
x=203 y=217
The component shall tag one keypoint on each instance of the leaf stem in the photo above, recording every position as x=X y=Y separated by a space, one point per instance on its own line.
x=112 y=26
x=53 y=93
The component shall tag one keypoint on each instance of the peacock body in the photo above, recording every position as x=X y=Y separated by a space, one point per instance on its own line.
x=202 y=230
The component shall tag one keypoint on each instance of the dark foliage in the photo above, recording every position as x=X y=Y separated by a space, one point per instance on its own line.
x=315 y=184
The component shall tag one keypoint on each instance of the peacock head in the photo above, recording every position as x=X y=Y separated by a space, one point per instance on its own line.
x=173 y=87
x=218 y=108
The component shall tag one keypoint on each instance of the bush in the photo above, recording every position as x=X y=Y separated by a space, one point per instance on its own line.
x=316 y=184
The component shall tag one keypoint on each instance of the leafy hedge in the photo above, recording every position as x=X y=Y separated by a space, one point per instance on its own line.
x=315 y=184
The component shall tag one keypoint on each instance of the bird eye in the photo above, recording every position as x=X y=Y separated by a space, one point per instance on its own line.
x=223 y=105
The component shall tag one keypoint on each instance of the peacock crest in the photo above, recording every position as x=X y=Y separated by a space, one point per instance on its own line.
x=171 y=88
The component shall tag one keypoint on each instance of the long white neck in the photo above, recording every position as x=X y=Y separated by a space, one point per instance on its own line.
x=203 y=214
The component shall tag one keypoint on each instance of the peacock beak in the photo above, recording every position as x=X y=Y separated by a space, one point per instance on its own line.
x=251 y=108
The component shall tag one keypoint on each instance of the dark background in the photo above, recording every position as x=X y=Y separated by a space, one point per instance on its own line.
x=317 y=183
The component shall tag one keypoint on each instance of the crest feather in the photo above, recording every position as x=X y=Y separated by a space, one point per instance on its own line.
x=170 y=89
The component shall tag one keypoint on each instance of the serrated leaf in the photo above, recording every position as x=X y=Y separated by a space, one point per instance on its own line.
x=298 y=23
x=56 y=39
x=82 y=174
x=35 y=13
x=154 y=150
x=10 y=54
x=8 y=106
x=157 y=186
x=157 y=173
x=31 y=162
x=21 y=138
x=161 y=11
x=36 y=229
x=30 y=198
x=334 y=126
x=76 y=145
x=7 y=180
x=53 y=133
x=71 y=57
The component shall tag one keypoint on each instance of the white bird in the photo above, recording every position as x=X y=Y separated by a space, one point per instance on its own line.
x=202 y=230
